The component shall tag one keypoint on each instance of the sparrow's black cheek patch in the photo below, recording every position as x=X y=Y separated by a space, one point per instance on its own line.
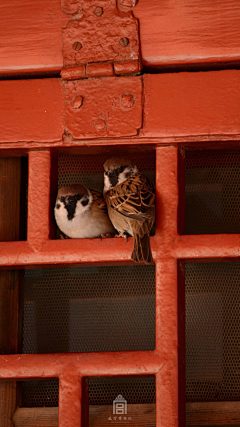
x=85 y=201
x=127 y=175
x=70 y=211
x=113 y=178
x=58 y=205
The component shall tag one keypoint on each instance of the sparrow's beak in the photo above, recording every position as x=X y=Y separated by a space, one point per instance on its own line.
x=69 y=200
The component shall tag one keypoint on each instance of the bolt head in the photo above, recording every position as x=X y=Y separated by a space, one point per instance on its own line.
x=77 y=102
x=127 y=100
x=77 y=46
x=124 y=41
x=100 y=124
x=98 y=11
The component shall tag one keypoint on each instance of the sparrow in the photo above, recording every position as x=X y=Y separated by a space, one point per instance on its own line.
x=130 y=199
x=82 y=213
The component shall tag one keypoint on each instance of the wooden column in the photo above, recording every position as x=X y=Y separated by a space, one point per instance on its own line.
x=10 y=189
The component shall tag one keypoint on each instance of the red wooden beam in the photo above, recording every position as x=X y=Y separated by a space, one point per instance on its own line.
x=31 y=110
x=192 y=105
x=86 y=364
x=178 y=108
x=171 y=33
x=114 y=251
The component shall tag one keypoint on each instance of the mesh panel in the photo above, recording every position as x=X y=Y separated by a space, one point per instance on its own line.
x=103 y=390
x=212 y=182
x=39 y=393
x=89 y=309
x=212 y=331
x=88 y=169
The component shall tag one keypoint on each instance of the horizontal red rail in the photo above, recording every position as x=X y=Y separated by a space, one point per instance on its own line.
x=179 y=107
x=14 y=254
x=186 y=32
x=92 y=364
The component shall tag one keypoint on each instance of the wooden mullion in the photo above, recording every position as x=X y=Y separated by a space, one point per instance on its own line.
x=10 y=190
x=38 y=198
x=181 y=344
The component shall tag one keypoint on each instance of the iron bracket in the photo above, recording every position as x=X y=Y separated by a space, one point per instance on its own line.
x=101 y=39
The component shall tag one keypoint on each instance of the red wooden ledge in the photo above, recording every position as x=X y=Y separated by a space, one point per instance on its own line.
x=171 y=33
x=178 y=107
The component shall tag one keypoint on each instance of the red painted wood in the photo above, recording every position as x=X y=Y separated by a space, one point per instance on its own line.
x=178 y=107
x=167 y=309
x=38 y=197
x=104 y=107
x=172 y=33
x=31 y=110
x=92 y=37
x=192 y=104
x=166 y=286
x=83 y=364
x=70 y=397
x=189 y=31
x=114 y=251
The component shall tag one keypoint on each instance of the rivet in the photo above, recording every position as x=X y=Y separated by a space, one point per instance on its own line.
x=127 y=100
x=77 y=102
x=124 y=41
x=77 y=46
x=100 y=124
x=98 y=11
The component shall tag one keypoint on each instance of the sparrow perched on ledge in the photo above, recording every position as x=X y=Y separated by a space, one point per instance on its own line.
x=82 y=213
x=130 y=200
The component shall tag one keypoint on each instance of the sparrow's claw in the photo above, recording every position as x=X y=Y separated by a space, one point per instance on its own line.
x=105 y=236
x=63 y=236
x=122 y=234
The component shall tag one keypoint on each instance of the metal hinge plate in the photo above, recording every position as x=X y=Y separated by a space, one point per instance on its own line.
x=100 y=108
x=100 y=40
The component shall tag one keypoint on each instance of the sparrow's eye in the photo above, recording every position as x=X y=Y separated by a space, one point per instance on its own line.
x=85 y=201
x=78 y=196
x=121 y=169
x=62 y=199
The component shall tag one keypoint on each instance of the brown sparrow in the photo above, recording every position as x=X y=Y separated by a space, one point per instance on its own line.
x=82 y=213
x=130 y=200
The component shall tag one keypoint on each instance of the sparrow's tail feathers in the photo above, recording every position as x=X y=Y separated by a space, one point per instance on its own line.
x=142 y=249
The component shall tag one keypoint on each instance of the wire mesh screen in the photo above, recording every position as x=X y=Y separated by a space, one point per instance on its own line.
x=39 y=393
x=122 y=400
x=212 y=292
x=212 y=196
x=89 y=309
x=103 y=390
x=88 y=169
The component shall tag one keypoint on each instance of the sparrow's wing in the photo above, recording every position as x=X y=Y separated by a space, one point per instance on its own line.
x=133 y=198
x=99 y=201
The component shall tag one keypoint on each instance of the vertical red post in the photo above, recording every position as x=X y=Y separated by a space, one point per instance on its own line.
x=70 y=398
x=38 y=197
x=166 y=287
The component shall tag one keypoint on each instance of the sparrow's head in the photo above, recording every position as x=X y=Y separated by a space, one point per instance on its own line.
x=116 y=171
x=72 y=200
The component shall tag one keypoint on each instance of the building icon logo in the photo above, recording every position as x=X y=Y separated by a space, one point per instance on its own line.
x=119 y=405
